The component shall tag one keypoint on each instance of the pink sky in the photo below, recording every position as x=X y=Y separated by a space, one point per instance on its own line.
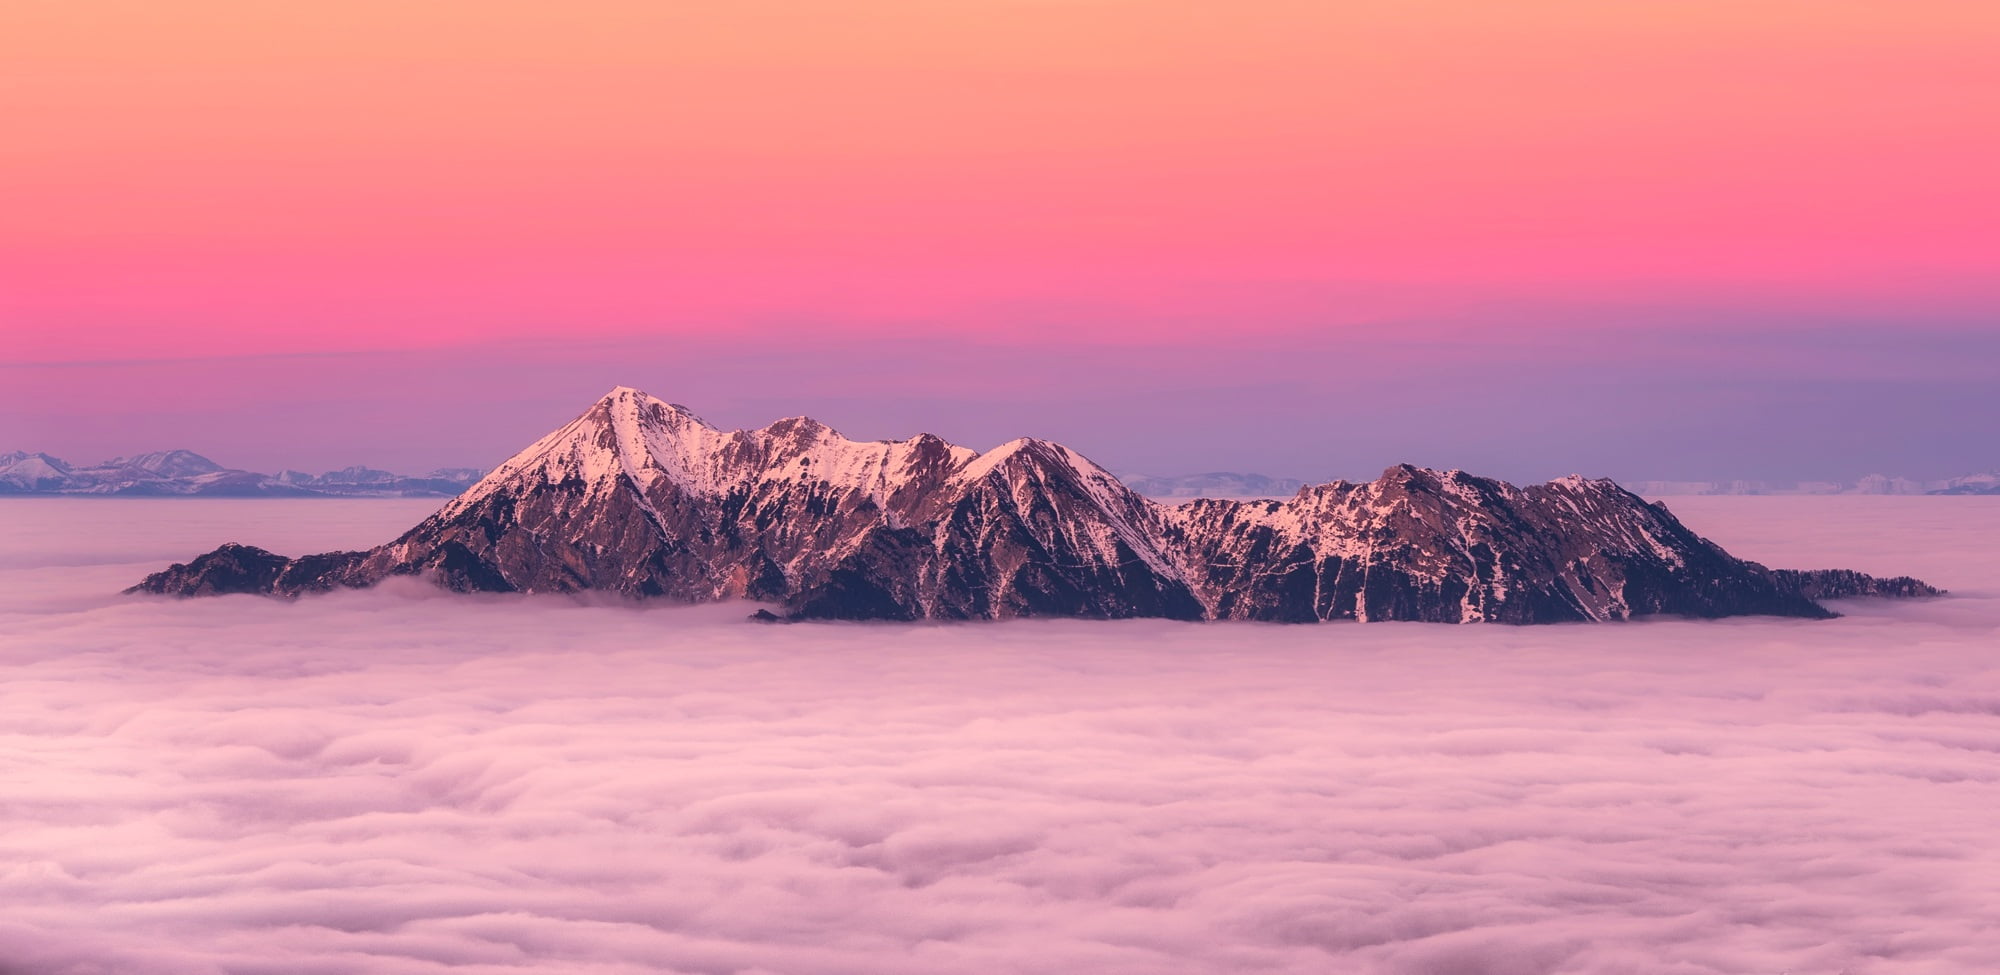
x=211 y=179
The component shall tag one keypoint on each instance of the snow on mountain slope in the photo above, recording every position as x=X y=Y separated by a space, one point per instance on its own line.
x=1970 y=484
x=795 y=509
x=23 y=472
x=641 y=497
x=169 y=463
x=643 y=439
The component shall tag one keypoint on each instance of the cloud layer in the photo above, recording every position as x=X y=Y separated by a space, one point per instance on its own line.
x=402 y=781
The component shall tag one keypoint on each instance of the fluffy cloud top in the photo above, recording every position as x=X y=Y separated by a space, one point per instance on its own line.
x=404 y=781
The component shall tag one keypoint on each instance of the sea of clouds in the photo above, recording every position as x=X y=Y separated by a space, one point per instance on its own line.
x=406 y=781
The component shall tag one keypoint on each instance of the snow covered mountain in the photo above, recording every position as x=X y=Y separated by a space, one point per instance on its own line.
x=370 y=482
x=25 y=473
x=167 y=473
x=1970 y=484
x=168 y=464
x=184 y=473
x=641 y=497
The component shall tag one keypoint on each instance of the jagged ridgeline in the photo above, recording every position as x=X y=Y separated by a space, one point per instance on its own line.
x=641 y=497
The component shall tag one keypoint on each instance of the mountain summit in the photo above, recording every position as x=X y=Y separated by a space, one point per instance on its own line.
x=642 y=497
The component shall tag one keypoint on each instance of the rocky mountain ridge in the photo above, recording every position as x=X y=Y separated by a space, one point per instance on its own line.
x=1230 y=484
x=641 y=497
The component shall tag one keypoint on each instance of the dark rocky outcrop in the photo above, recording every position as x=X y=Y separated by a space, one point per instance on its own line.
x=640 y=497
x=1849 y=584
x=248 y=569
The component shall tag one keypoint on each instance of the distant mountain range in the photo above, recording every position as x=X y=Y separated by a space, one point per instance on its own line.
x=1231 y=485
x=640 y=497
x=1216 y=484
x=1872 y=484
x=184 y=473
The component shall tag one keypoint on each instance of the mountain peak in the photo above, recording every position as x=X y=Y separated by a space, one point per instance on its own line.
x=638 y=496
x=1579 y=482
x=23 y=471
x=634 y=402
x=171 y=463
x=802 y=428
x=1043 y=452
x=629 y=393
x=626 y=436
x=1407 y=472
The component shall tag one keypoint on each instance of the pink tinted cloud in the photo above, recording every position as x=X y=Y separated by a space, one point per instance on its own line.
x=407 y=781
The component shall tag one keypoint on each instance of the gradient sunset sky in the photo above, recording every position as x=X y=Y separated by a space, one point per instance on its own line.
x=1682 y=239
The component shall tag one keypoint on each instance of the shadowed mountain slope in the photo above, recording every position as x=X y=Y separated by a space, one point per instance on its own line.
x=641 y=497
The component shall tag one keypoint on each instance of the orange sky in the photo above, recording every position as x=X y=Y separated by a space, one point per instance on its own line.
x=195 y=177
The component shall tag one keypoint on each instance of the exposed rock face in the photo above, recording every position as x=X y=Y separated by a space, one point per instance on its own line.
x=1449 y=547
x=246 y=568
x=639 y=496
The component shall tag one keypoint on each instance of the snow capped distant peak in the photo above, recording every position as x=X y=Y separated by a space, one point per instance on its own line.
x=1213 y=484
x=37 y=461
x=23 y=471
x=170 y=463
